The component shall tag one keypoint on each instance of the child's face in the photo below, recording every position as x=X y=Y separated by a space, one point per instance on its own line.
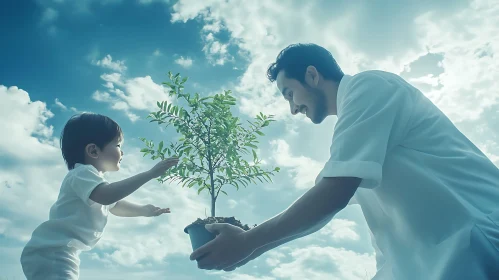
x=111 y=155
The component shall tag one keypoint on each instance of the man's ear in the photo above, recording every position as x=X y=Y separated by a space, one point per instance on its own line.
x=312 y=76
x=92 y=151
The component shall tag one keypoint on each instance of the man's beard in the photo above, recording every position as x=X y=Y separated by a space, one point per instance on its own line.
x=320 y=106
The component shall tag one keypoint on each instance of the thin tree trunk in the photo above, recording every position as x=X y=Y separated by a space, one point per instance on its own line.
x=213 y=197
x=213 y=205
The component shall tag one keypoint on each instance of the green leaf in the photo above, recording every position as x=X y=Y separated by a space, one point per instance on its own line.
x=191 y=184
x=251 y=145
x=201 y=189
x=160 y=146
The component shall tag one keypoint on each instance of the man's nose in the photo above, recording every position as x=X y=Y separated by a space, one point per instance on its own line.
x=294 y=108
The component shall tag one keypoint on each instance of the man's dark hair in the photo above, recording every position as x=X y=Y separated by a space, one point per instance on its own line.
x=295 y=59
x=83 y=129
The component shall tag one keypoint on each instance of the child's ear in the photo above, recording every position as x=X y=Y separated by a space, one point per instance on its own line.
x=92 y=151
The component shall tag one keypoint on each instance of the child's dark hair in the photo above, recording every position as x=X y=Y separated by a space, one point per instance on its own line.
x=83 y=129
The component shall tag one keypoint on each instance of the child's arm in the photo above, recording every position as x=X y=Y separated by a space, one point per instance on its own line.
x=128 y=209
x=106 y=194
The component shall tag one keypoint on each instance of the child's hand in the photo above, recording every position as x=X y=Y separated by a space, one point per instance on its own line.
x=160 y=168
x=150 y=210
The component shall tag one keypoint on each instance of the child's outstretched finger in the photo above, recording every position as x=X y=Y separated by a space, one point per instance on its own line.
x=162 y=211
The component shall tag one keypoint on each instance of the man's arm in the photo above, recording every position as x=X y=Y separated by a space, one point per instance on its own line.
x=106 y=194
x=234 y=247
x=306 y=215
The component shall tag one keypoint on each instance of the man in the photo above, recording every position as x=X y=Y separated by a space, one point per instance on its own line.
x=430 y=197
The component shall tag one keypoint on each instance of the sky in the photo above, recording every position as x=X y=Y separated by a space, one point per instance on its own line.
x=61 y=57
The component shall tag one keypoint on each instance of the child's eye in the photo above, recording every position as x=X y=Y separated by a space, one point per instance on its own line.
x=119 y=145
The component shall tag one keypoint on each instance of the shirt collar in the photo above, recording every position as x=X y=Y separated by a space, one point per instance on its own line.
x=342 y=89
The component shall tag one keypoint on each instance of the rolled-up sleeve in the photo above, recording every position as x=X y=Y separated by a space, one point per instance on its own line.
x=84 y=181
x=371 y=119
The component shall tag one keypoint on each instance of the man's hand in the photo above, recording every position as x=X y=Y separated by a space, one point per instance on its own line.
x=150 y=210
x=160 y=168
x=243 y=262
x=230 y=246
x=234 y=247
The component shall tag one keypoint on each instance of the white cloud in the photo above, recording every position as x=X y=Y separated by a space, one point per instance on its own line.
x=470 y=80
x=129 y=95
x=260 y=29
x=60 y=105
x=184 y=62
x=186 y=10
x=25 y=121
x=429 y=79
x=102 y=96
x=303 y=170
x=317 y=263
x=63 y=107
x=240 y=276
x=274 y=258
x=111 y=79
x=107 y=62
x=215 y=51
x=214 y=27
x=34 y=169
x=142 y=93
x=341 y=230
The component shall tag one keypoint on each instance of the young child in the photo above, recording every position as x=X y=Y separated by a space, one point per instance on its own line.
x=91 y=145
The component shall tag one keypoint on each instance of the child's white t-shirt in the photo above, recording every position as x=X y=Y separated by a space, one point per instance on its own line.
x=74 y=220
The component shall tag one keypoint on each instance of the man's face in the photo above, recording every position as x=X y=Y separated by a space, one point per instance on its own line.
x=305 y=99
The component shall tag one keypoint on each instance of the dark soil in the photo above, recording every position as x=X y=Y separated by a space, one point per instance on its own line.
x=228 y=220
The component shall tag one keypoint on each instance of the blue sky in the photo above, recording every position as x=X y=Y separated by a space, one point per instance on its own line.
x=110 y=56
